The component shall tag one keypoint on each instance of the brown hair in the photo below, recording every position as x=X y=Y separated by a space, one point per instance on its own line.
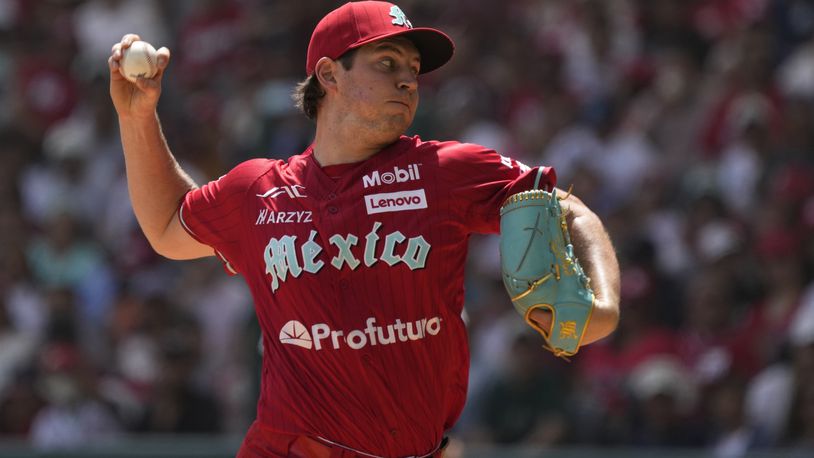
x=309 y=92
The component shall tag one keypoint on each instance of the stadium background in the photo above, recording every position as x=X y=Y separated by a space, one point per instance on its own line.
x=688 y=125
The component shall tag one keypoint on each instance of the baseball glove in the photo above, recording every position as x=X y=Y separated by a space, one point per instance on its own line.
x=541 y=271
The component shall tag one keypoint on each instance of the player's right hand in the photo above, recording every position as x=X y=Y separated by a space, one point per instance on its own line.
x=137 y=100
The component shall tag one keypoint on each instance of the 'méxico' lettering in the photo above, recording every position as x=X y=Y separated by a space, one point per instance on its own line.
x=284 y=256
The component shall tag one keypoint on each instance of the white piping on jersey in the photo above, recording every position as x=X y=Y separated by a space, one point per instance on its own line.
x=184 y=223
x=220 y=255
x=330 y=442
x=537 y=178
x=226 y=262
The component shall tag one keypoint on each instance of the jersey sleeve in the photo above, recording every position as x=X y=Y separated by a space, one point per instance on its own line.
x=213 y=213
x=482 y=179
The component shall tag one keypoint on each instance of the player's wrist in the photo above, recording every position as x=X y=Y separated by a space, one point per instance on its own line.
x=604 y=320
x=137 y=118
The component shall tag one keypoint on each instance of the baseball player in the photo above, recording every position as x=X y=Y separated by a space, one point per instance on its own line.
x=354 y=249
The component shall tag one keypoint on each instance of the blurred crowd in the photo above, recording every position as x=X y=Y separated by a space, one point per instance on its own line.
x=688 y=125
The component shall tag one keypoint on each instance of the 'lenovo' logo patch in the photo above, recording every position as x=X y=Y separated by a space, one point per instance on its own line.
x=395 y=201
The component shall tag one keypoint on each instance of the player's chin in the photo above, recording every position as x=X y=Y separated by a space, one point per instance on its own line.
x=397 y=124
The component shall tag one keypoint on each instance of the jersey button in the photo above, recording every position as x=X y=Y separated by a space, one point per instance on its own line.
x=333 y=210
x=331 y=196
x=344 y=284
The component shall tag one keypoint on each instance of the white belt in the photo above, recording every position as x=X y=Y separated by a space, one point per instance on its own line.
x=337 y=444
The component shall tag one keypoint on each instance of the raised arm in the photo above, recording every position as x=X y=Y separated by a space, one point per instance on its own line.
x=593 y=248
x=155 y=180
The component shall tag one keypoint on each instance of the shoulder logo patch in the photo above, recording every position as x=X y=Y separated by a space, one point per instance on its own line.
x=293 y=191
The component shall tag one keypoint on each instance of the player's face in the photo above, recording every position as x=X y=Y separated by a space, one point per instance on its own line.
x=380 y=91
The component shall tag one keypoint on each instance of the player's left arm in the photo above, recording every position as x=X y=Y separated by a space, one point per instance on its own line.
x=593 y=248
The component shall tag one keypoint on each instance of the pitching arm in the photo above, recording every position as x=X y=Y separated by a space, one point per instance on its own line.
x=155 y=180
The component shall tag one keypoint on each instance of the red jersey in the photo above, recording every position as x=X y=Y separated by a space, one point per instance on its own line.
x=357 y=276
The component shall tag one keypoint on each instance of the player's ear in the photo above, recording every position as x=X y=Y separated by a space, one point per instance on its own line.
x=325 y=72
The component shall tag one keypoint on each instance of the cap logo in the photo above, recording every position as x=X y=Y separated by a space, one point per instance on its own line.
x=399 y=18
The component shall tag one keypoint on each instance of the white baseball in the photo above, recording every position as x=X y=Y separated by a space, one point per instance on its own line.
x=139 y=59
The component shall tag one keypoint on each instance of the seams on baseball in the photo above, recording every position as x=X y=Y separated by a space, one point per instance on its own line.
x=139 y=59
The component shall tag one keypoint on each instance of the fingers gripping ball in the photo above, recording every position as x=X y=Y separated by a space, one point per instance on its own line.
x=140 y=59
x=540 y=269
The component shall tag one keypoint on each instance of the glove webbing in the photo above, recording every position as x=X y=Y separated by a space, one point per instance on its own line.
x=557 y=352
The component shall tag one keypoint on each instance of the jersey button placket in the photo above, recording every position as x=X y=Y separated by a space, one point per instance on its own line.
x=332 y=208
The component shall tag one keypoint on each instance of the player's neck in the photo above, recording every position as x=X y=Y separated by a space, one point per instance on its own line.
x=334 y=146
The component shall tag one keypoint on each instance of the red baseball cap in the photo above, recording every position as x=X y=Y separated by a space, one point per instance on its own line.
x=356 y=24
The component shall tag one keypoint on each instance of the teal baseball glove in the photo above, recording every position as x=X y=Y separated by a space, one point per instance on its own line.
x=541 y=271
